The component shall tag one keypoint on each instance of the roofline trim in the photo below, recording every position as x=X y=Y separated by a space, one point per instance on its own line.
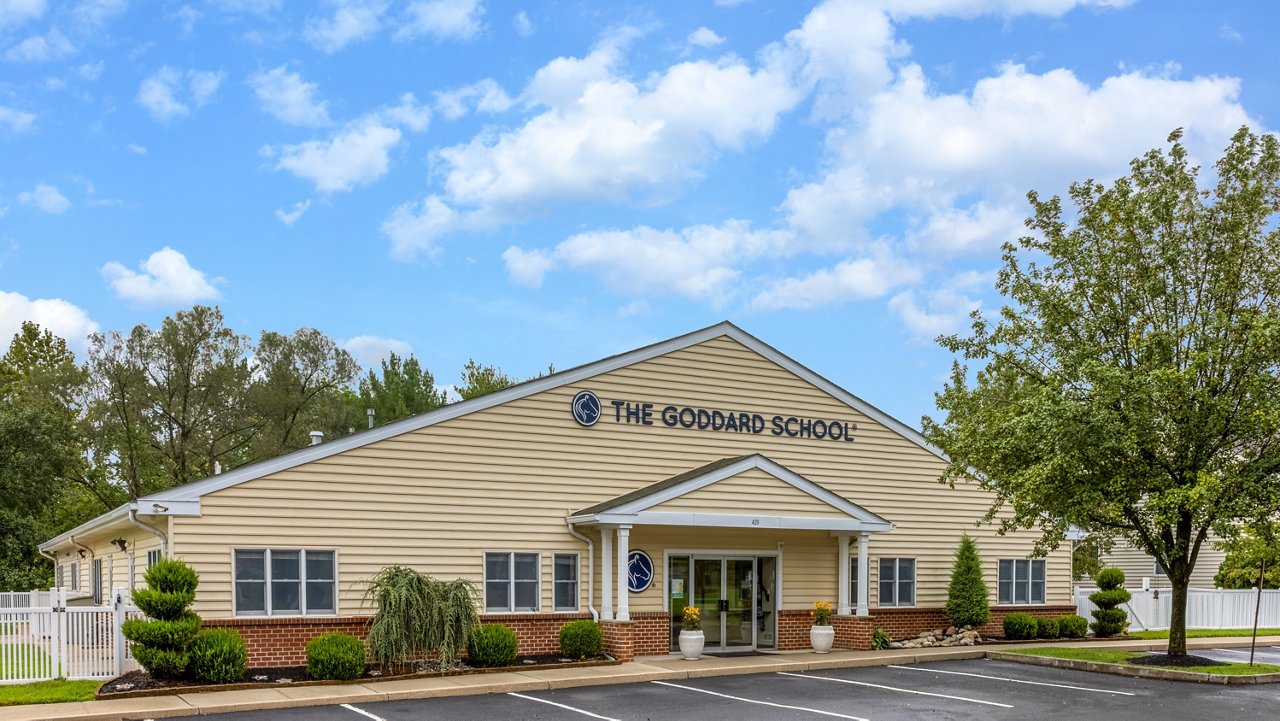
x=97 y=523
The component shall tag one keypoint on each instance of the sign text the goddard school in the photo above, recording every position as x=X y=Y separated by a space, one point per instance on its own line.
x=649 y=414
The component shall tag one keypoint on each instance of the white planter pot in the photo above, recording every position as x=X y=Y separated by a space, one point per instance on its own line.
x=822 y=637
x=691 y=643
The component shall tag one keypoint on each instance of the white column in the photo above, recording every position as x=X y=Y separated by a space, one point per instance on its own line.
x=864 y=576
x=624 y=605
x=842 y=604
x=606 y=580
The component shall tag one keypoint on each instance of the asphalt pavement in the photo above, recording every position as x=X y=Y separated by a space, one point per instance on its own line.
x=976 y=689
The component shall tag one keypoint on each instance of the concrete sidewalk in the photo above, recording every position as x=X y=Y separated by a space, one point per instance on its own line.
x=646 y=669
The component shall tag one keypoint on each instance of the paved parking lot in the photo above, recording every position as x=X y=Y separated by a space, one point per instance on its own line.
x=946 y=690
x=1263 y=654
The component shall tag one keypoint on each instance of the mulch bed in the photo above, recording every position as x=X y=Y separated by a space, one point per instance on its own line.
x=1165 y=660
x=139 y=683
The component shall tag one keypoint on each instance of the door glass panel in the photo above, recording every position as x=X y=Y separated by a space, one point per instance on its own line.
x=678 y=588
x=706 y=595
x=740 y=584
x=766 y=603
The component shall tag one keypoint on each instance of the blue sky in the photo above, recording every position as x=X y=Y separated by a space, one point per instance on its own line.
x=553 y=182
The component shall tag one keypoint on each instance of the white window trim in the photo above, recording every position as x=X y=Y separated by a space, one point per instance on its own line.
x=897 y=575
x=577 y=583
x=155 y=552
x=302 y=584
x=511 y=581
x=1013 y=593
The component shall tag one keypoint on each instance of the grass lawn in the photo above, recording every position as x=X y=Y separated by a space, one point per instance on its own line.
x=47 y=692
x=1105 y=655
x=27 y=660
x=1209 y=633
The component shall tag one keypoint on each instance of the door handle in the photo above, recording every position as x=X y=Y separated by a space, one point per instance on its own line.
x=724 y=605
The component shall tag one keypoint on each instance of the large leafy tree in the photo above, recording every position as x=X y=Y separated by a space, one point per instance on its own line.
x=479 y=380
x=1130 y=384
x=298 y=379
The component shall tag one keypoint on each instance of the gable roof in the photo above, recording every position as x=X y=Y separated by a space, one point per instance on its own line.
x=681 y=484
x=187 y=496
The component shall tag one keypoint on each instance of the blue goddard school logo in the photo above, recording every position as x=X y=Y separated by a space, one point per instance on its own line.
x=586 y=408
x=639 y=571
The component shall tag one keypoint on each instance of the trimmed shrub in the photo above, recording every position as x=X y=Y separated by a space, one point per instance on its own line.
x=160 y=642
x=1072 y=626
x=581 y=639
x=1047 y=628
x=1019 y=626
x=218 y=655
x=880 y=640
x=491 y=645
x=335 y=657
x=1109 y=620
x=967 y=603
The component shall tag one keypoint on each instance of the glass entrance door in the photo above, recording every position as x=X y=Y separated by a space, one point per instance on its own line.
x=708 y=595
x=737 y=596
x=739 y=606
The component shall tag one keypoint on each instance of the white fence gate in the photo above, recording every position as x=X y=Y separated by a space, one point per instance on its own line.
x=1152 y=609
x=42 y=637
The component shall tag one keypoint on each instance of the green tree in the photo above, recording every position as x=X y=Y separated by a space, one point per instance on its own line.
x=403 y=388
x=1086 y=556
x=479 y=380
x=967 y=595
x=295 y=374
x=1130 y=385
x=1255 y=549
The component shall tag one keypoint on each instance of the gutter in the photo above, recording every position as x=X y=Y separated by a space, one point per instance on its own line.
x=591 y=569
x=164 y=538
x=81 y=546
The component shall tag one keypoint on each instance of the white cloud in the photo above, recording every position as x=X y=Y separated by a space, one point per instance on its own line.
x=371 y=350
x=1230 y=34
x=415 y=231
x=16 y=12
x=166 y=279
x=58 y=316
x=704 y=37
x=187 y=17
x=356 y=155
x=485 y=96
x=46 y=198
x=289 y=217
x=852 y=279
x=352 y=21
x=981 y=228
x=408 y=113
x=523 y=25
x=945 y=309
x=527 y=267
x=171 y=93
x=441 y=19
x=90 y=71
x=634 y=308
x=40 y=48
x=136 y=149
x=289 y=98
x=17 y=121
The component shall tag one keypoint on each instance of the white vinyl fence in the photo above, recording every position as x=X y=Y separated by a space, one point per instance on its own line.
x=1206 y=608
x=41 y=637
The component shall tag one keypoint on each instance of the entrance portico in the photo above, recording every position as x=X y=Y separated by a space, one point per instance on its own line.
x=740 y=587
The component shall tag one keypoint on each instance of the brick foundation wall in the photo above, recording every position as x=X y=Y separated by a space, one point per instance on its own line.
x=648 y=633
x=793 y=630
x=904 y=623
x=539 y=633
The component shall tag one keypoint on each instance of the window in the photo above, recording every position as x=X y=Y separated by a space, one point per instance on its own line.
x=511 y=582
x=153 y=557
x=853 y=581
x=1160 y=570
x=95 y=579
x=75 y=576
x=58 y=576
x=565 y=582
x=1021 y=581
x=897 y=582
x=284 y=582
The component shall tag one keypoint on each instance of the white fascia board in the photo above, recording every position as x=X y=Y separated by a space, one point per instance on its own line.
x=734 y=520
x=152 y=506
x=195 y=490
x=119 y=514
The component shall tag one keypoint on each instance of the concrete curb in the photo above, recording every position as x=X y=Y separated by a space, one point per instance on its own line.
x=659 y=669
x=1164 y=674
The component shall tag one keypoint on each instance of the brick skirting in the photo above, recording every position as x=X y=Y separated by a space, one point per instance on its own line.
x=855 y=632
x=648 y=633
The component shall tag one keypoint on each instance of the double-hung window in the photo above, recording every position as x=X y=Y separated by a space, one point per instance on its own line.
x=1021 y=581
x=153 y=557
x=897 y=582
x=565 y=581
x=95 y=579
x=75 y=577
x=853 y=581
x=285 y=582
x=511 y=582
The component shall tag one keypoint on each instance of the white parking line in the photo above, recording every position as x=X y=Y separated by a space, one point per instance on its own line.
x=362 y=712
x=1267 y=654
x=1014 y=680
x=895 y=688
x=762 y=703
x=560 y=705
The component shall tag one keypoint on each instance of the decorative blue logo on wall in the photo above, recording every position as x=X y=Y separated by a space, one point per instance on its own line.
x=639 y=571
x=586 y=408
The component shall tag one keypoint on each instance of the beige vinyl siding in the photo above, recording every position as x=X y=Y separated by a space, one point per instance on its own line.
x=505 y=478
x=767 y=494
x=1136 y=565
x=115 y=563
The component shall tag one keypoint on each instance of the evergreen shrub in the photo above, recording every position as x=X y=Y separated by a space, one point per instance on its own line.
x=218 y=655
x=1047 y=628
x=1019 y=626
x=160 y=641
x=335 y=657
x=1109 y=620
x=1072 y=626
x=491 y=645
x=581 y=639
x=967 y=596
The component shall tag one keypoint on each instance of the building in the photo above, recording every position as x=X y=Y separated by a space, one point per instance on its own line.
x=1141 y=570
x=709 y=468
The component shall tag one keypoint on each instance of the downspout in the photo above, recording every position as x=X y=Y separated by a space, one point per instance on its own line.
x=164 y=539
x=81 y=546
x=591 y=570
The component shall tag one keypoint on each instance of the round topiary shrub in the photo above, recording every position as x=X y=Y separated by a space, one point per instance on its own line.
x=160 y=641
x=335 y=657
x=581 y=639
x=492 y=645
x=1047 y=628
x=1109 y=620
x=1019 y=627
x=218 y=655
x=1072 y=626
